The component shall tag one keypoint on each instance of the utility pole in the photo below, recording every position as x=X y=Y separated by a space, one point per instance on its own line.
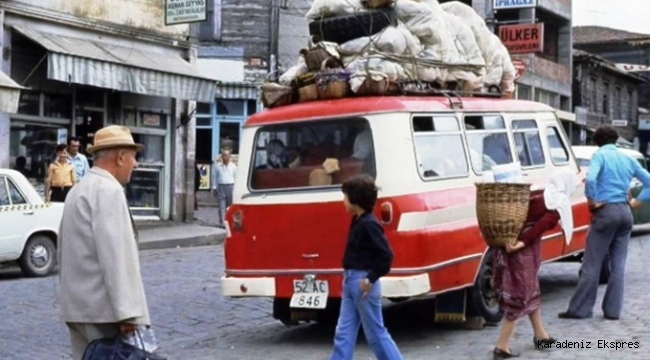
x=274 y=39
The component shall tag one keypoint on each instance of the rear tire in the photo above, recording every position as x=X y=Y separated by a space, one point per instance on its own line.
x=481 y=298
x=39 y=256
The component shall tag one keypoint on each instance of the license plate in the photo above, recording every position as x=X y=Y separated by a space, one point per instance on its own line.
x=309 y=294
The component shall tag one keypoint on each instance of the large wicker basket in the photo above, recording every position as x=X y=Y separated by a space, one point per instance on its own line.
x=502 y=210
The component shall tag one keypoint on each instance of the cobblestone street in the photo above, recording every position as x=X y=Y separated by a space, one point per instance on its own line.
x=193 y=321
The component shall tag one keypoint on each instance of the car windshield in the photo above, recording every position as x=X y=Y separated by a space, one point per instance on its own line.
x=311 y=154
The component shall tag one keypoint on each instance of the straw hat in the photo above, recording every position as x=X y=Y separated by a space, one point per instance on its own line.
x=113 y=136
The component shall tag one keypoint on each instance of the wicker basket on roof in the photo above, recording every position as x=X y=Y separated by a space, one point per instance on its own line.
x=502 y=210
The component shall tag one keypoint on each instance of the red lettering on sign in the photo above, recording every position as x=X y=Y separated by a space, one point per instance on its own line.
x=525 y=38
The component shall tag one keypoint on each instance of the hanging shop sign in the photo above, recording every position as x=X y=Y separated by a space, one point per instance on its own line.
x=522 y=39
x=185 y=11
x=513 y=4
x=520 y=68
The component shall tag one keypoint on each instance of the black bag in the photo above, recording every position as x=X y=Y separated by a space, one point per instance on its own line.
x=116 y=349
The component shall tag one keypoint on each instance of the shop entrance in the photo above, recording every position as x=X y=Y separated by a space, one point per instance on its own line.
x=87 y=122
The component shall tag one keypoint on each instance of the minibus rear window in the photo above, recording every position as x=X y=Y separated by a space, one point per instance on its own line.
x=299 y=155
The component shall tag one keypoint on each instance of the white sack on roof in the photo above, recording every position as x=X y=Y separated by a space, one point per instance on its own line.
x=427 y=22
x=392 y=40
x=327 y=8
x=376 y=68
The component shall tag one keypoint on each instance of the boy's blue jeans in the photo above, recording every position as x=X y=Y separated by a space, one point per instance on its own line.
x=355 y=312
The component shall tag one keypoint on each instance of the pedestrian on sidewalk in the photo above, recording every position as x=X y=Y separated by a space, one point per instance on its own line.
x=77 y=159
x=607 y=190
x=368 y=256
x=516 y=266
x=102 y=294
x=224 y=181
x=61 y=176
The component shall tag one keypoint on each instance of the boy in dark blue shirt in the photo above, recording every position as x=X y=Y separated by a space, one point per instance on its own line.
x=368 y=257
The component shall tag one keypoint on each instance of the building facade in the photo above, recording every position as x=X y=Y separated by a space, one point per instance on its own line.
x=604 y=95
x=86 y=65
x=236 y=46
x=623 y=49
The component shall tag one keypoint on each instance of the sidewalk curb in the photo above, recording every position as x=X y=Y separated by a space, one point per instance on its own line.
x=193 y=241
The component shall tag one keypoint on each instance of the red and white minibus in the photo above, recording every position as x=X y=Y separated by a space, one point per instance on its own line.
x=287 y=233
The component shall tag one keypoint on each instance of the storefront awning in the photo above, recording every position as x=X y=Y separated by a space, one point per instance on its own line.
x=9 y=94
x=121 y=68
x=238 y=91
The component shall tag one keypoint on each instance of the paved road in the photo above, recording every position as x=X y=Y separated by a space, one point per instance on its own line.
x=193 y=321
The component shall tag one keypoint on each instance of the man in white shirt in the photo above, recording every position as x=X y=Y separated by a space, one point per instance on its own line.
x=77 y=159
x=223 y=181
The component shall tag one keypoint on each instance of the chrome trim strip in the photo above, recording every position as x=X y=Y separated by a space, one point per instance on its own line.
x=338 y=271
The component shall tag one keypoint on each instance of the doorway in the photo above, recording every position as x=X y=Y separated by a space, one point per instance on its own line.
x=87 y=122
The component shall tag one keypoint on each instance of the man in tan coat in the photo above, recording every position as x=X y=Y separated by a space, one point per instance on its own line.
x=102 y=293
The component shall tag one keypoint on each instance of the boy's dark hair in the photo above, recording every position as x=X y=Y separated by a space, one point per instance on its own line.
x=61 y=147
x=361 y=191
x=605 y=135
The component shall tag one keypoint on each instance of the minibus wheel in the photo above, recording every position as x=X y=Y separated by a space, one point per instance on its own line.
x=482 y=299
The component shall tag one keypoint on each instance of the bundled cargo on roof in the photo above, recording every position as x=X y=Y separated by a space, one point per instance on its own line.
x=379 y=47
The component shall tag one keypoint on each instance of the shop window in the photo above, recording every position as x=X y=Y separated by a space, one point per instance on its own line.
x=618 y=104
x=143 y=191
x=154 y=149
x=30 y=103
x=204 y=145
x=439 y=148
x=229 y=136
x=230 y=107
x=57 y=106
x=203 y=121
x=606 y=99
x=203 y=108
x=36 y=144
x=130 y=118
x=252 y=107
x=487 y=138
x=524 y=92
x=594 y=94
x=290 y=156
x=528 y=143
x=559 y=153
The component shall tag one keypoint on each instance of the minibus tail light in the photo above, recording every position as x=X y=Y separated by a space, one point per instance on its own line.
x=386 y=212
x=238 y=220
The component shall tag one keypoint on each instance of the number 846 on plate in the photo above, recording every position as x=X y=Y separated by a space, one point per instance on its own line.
x=309 y=294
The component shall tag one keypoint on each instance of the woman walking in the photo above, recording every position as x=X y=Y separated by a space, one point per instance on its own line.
x=516 y=267
x=61 y=176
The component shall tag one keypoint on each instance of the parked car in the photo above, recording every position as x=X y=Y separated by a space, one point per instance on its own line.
x=583 y=155
x=29 y=225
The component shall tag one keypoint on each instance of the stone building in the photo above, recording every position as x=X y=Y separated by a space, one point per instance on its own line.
x=623 y=48
x=548 y=72
x=237 y=46
x=604 y=95
x=87 y=64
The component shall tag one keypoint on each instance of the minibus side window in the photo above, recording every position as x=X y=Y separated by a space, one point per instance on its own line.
x=528 y=143
x=439 y=148
x=311 y=154
x=487 y=138
x=559 y=153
